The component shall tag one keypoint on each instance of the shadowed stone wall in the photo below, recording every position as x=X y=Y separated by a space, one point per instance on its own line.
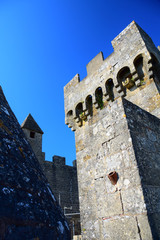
x=145 y=134
x=64 y=183
x=36 y=144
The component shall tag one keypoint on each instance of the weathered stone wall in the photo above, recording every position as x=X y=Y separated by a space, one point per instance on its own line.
x=108 y=211
x=107 y=147
x=63 y=181
x=105 y=143
x=145 y=134
x=36 y=144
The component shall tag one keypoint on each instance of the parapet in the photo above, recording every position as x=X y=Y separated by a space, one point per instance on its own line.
x=95 y=63
x=61 y=161
x=119 y=74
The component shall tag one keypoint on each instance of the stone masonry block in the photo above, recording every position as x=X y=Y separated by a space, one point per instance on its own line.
x=133 y=200
x=144 y=227
x=114 y=145
x=123 y=228
x=111 y=202
x=128 y=178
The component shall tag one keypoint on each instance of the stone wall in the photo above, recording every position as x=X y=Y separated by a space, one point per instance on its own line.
x=36 y=144
x=145 y=134
x=63 y=181
x=106 y=212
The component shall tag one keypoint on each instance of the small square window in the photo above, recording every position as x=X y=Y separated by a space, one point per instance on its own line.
x=32 y=134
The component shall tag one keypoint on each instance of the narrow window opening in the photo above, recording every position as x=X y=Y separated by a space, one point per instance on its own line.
x=124 y=78
x=99 y=97
x=123 y=74
x=89 y=105
x=32 y=134
x=79 y=109
x=109 y=88
x=70 y=113
x=138 y=63
x=156 y=71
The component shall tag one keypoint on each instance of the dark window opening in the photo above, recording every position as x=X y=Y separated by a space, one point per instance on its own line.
x=109 y=88
x=79 y=109
x=123 y=74
x=32 y=134
x=70 y=113
x=156 y=71
x=89 y=105
x=124 y=78
x=138 y=63
x=99 y=97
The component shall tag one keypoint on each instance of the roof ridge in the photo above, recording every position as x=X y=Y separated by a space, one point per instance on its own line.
x=31 y=124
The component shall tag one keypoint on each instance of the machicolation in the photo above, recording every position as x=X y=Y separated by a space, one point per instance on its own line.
x=119 y=75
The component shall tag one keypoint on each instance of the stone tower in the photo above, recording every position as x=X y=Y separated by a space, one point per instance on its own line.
x=115 y=112
x=34 y=135
x=61 y=177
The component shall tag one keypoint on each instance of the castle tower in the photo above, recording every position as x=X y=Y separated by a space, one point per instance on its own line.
x=61 y=177
x=34 y=135
x=115 y=113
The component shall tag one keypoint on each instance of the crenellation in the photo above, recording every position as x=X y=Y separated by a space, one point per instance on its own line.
x=59 y=161
x=126 y=73
x=95 y=63
x=72 y=84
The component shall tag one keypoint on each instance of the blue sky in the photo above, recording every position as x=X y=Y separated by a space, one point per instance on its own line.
x=44 y=43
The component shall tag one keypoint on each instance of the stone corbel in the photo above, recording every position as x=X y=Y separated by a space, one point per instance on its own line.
x=135 y=77
x=120 y=90
x=128 y=83
x=150 y=68
x=94 y=101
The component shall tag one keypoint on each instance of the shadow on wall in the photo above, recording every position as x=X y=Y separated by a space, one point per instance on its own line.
x=156 y=71
x=145 y=133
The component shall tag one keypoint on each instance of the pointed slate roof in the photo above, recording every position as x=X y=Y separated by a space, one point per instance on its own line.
x=28 y=209
x=30 y=123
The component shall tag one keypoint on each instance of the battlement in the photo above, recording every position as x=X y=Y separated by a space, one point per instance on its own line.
x=127 y=70
x=95 y=63
x=61 y=161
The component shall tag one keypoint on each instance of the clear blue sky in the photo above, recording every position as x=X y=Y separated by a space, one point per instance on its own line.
x=44 y=43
